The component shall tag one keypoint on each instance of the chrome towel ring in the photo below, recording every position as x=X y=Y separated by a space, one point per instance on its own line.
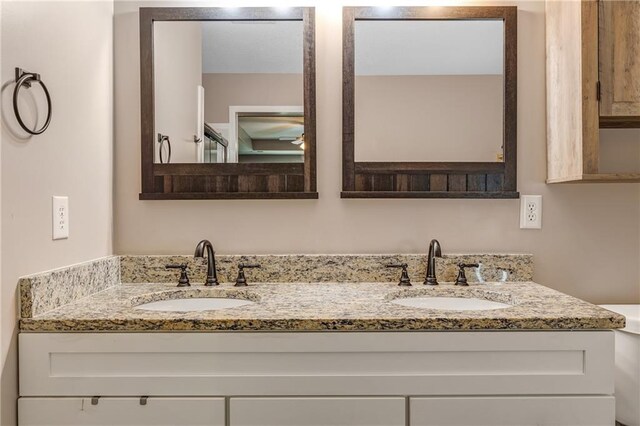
x=24 y=78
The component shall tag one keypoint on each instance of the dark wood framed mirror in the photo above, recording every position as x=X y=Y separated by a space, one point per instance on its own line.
x=429 y=102
x=228 y=103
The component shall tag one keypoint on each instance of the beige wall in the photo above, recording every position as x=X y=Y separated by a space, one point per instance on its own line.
x=428 y=117
x=70 y=44
x=589 y=245
x=224 y=90
x=178 y=73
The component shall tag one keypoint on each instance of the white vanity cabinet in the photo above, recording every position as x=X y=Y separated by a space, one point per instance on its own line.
x=312 y=379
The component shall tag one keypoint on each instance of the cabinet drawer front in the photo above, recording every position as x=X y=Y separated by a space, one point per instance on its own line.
x=121 y=412
x=512 y=411
x=316 y=364
x=317 y=411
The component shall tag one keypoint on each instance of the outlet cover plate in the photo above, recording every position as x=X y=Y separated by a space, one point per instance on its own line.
x=531 y=212
x=60 y=217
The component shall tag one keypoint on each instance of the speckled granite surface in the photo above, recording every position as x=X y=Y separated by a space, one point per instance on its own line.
x=327 y=268
x=302 y=293
x=325 y=307
x=45 y=291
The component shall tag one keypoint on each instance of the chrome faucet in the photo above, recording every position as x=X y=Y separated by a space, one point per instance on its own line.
x=434 y=251
x=212 y=276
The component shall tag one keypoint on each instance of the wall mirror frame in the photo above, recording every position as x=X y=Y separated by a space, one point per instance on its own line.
x=229 y=180
x=430 y=179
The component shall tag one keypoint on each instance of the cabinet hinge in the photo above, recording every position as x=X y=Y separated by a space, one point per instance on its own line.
x=598 y=90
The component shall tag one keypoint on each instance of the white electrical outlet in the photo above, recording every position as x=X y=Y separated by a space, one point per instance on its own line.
x=60 y=217
x=531 y=212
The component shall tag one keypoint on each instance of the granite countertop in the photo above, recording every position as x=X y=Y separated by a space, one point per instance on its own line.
x=324 y=307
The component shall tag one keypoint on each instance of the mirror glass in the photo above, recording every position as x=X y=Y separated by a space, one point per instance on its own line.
x=429 y=90
x=228 y=91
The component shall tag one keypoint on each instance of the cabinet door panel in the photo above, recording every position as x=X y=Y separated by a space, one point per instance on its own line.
x=619 y=33
x=317 y=411
x=510 y=411
x=316 y=364
x=121 y=412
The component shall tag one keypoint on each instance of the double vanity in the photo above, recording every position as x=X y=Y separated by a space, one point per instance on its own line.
x=311 y=340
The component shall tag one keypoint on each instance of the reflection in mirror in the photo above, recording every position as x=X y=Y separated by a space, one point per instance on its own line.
x=429 y=90
x=228 y=91
x=271 y=138
x=214 y=146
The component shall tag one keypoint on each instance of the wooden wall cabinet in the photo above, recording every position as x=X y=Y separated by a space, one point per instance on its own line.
x=619 y=62
x=593 y=82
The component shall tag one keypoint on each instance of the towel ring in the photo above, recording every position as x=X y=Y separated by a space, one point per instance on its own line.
x=161 y=139
x=24 y=78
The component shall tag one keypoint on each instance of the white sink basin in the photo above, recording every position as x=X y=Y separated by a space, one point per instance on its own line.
x=450 y=303
x=194 y=304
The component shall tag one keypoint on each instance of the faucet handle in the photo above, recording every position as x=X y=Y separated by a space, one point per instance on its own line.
x=462 y=278
x=184 y=277
x=404 y=277
x=241 y=281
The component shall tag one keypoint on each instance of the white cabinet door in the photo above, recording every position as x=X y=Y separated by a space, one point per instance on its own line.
x=317 y=411
x=121 y=412
x=513 y=411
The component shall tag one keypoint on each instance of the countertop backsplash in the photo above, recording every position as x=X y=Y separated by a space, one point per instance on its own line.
x=40 y=293
x=328 y=268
